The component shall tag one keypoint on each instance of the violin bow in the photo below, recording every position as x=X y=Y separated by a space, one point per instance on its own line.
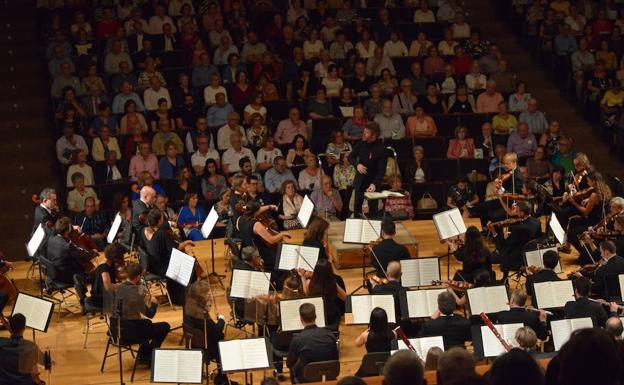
x=371 y=249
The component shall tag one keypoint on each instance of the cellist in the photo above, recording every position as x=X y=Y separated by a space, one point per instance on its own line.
x=67 y=257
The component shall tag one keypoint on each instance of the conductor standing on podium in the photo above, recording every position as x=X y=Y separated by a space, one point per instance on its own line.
x=369 y=158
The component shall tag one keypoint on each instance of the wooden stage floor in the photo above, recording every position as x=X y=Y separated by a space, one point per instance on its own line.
x=75 y=365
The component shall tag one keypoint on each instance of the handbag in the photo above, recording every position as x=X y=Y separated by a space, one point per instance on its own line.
x=426 y=202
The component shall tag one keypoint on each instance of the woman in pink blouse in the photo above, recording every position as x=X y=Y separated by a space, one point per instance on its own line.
x=461 y=146
x=421 y=125
x=433 y=63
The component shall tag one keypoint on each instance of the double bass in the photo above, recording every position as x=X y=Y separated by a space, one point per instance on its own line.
x=6 y=284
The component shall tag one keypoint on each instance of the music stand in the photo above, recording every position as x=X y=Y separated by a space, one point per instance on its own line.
x=37 y=311
x=207 y=231
x=32 y=248
x=233 y=357
x=112 y=233
x=177 y=366
x=558 y=231
x=362 y=241
x=449 y=224
x=305 y=212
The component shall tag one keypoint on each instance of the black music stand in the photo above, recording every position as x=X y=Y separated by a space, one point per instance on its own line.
x=209 y=232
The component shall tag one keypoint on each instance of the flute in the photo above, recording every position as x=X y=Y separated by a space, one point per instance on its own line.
x=529 y=308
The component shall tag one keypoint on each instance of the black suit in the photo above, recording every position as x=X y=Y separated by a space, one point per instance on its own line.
x=44 y=217
x=454 y=329
x=313 y=344
x=159 y=42
x=133 y=42
x=387 y=251
x=374 y=157
x=395 y=288
x=138 y=207
x=101 y=172
x=614 y=266
x=526 y=317
x=542 y=276
x=511 y=248
x=66 y=258
x=583 y=307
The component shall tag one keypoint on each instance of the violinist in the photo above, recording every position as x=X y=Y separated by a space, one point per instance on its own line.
x=393 y=285
x=92 y=222
x=582 y=169
x=67 y=257
x=584 y=307
x=509 y=249
x=131 y=298
x=325 y=283
x=317 y=236
x=555 y=184
x=255 y=233
x=547 y=274
x=140 y=207
x=454 y=329
x=206 y=332
x=191 y=217
x=616 y=236
x=388 y=249
x=46 y=212
x=19 y=358
x=376 y=338
x=158 y=241
x=474 y=255
x=609 y=264
x=107 y=274
x=250 y=260
x=518 y=313
x=591 y=210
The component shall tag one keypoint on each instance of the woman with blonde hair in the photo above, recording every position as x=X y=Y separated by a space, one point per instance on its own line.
x=526 y=339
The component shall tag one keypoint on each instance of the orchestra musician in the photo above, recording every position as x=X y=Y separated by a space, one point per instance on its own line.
x=191 y=216
x=387 y=249
x=518 y=313
x=473 y=254
x=325 y=283
x=525 y=229
x=46 y=213
x=369 y=158
x=67 y=257
x=312 y=344
x=107 y=274
x=250 y=260
x=461 y=196
x=590 y=210
x=92 y=222
x=454 y=329
x=19 y=358
x=254 y=233
x=584 y=307
x=616 y=235
x=5 y=266
x=376 y=338
x=317 y=236
x=158 y=241
x=546 y=274
x=131 y=299
x=609 y=264
x=140 y=207
x=206 y=332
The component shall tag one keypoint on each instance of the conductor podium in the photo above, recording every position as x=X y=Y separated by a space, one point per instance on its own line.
x=349 y=255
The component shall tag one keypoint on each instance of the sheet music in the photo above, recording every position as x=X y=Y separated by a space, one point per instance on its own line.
x=371 y=231
x=112 y=233
x=553 y=294
x=492 y=347
x=449 y=224
x=177 y=365
x=243 y=354
x=621 y=281
x=536 y=258
x=289 y=313
x=35 y=241
x=488 y=299
x=419 y=272
x=422 y=345
x=562 y=329
x=363 y=305
x=180 y=267
x=353 y=230
x=209 y=223
x=297 y=257
x=386 y=302
x=557 y=230
x=37 y=311
x=249 y=284
x=422 y=303
x=305 y=212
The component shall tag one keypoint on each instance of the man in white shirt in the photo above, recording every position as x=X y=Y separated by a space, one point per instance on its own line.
x=154 y=93
x=114 y=57
x=231 y=157
x=203 y=153
x=157 y=21
x=390 y=124
x=225 y=132
x=68 y=143
x=404 y=101
x=252 y=50
x=378 y=63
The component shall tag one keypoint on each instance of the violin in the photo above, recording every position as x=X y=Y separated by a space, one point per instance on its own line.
x=578 y=178
x=87 y=245
x=516 y=197
x=533 y=269
x=587 y=268
x=577 y=195
x=601 y=235
x=609 y=219
x=507 y=222
x=6 y=284
x=455 y=285
x=375 y=278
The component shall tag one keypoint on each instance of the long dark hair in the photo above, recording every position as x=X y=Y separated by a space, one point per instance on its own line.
x=323 y=282
x=317 y=228
x=474 y=247
x=378 y=323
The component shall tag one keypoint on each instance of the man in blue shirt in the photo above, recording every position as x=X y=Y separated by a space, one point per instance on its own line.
x=276 y=176
x=565 y=43
x=218 y=112
x=202 y=73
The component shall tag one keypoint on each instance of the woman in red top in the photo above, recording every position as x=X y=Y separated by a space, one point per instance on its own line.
x=106 y=27
x=241 y=91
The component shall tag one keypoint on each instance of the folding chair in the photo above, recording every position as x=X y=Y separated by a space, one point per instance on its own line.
x=52 y=286
x=150 y=278
x=321 y=371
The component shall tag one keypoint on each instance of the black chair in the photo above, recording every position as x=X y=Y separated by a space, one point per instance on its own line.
x=282 y=340
x=321 y=371
x=150 y=278
x=89 y=310
x=126 y=346
x=374 y=362
x=52 y=285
